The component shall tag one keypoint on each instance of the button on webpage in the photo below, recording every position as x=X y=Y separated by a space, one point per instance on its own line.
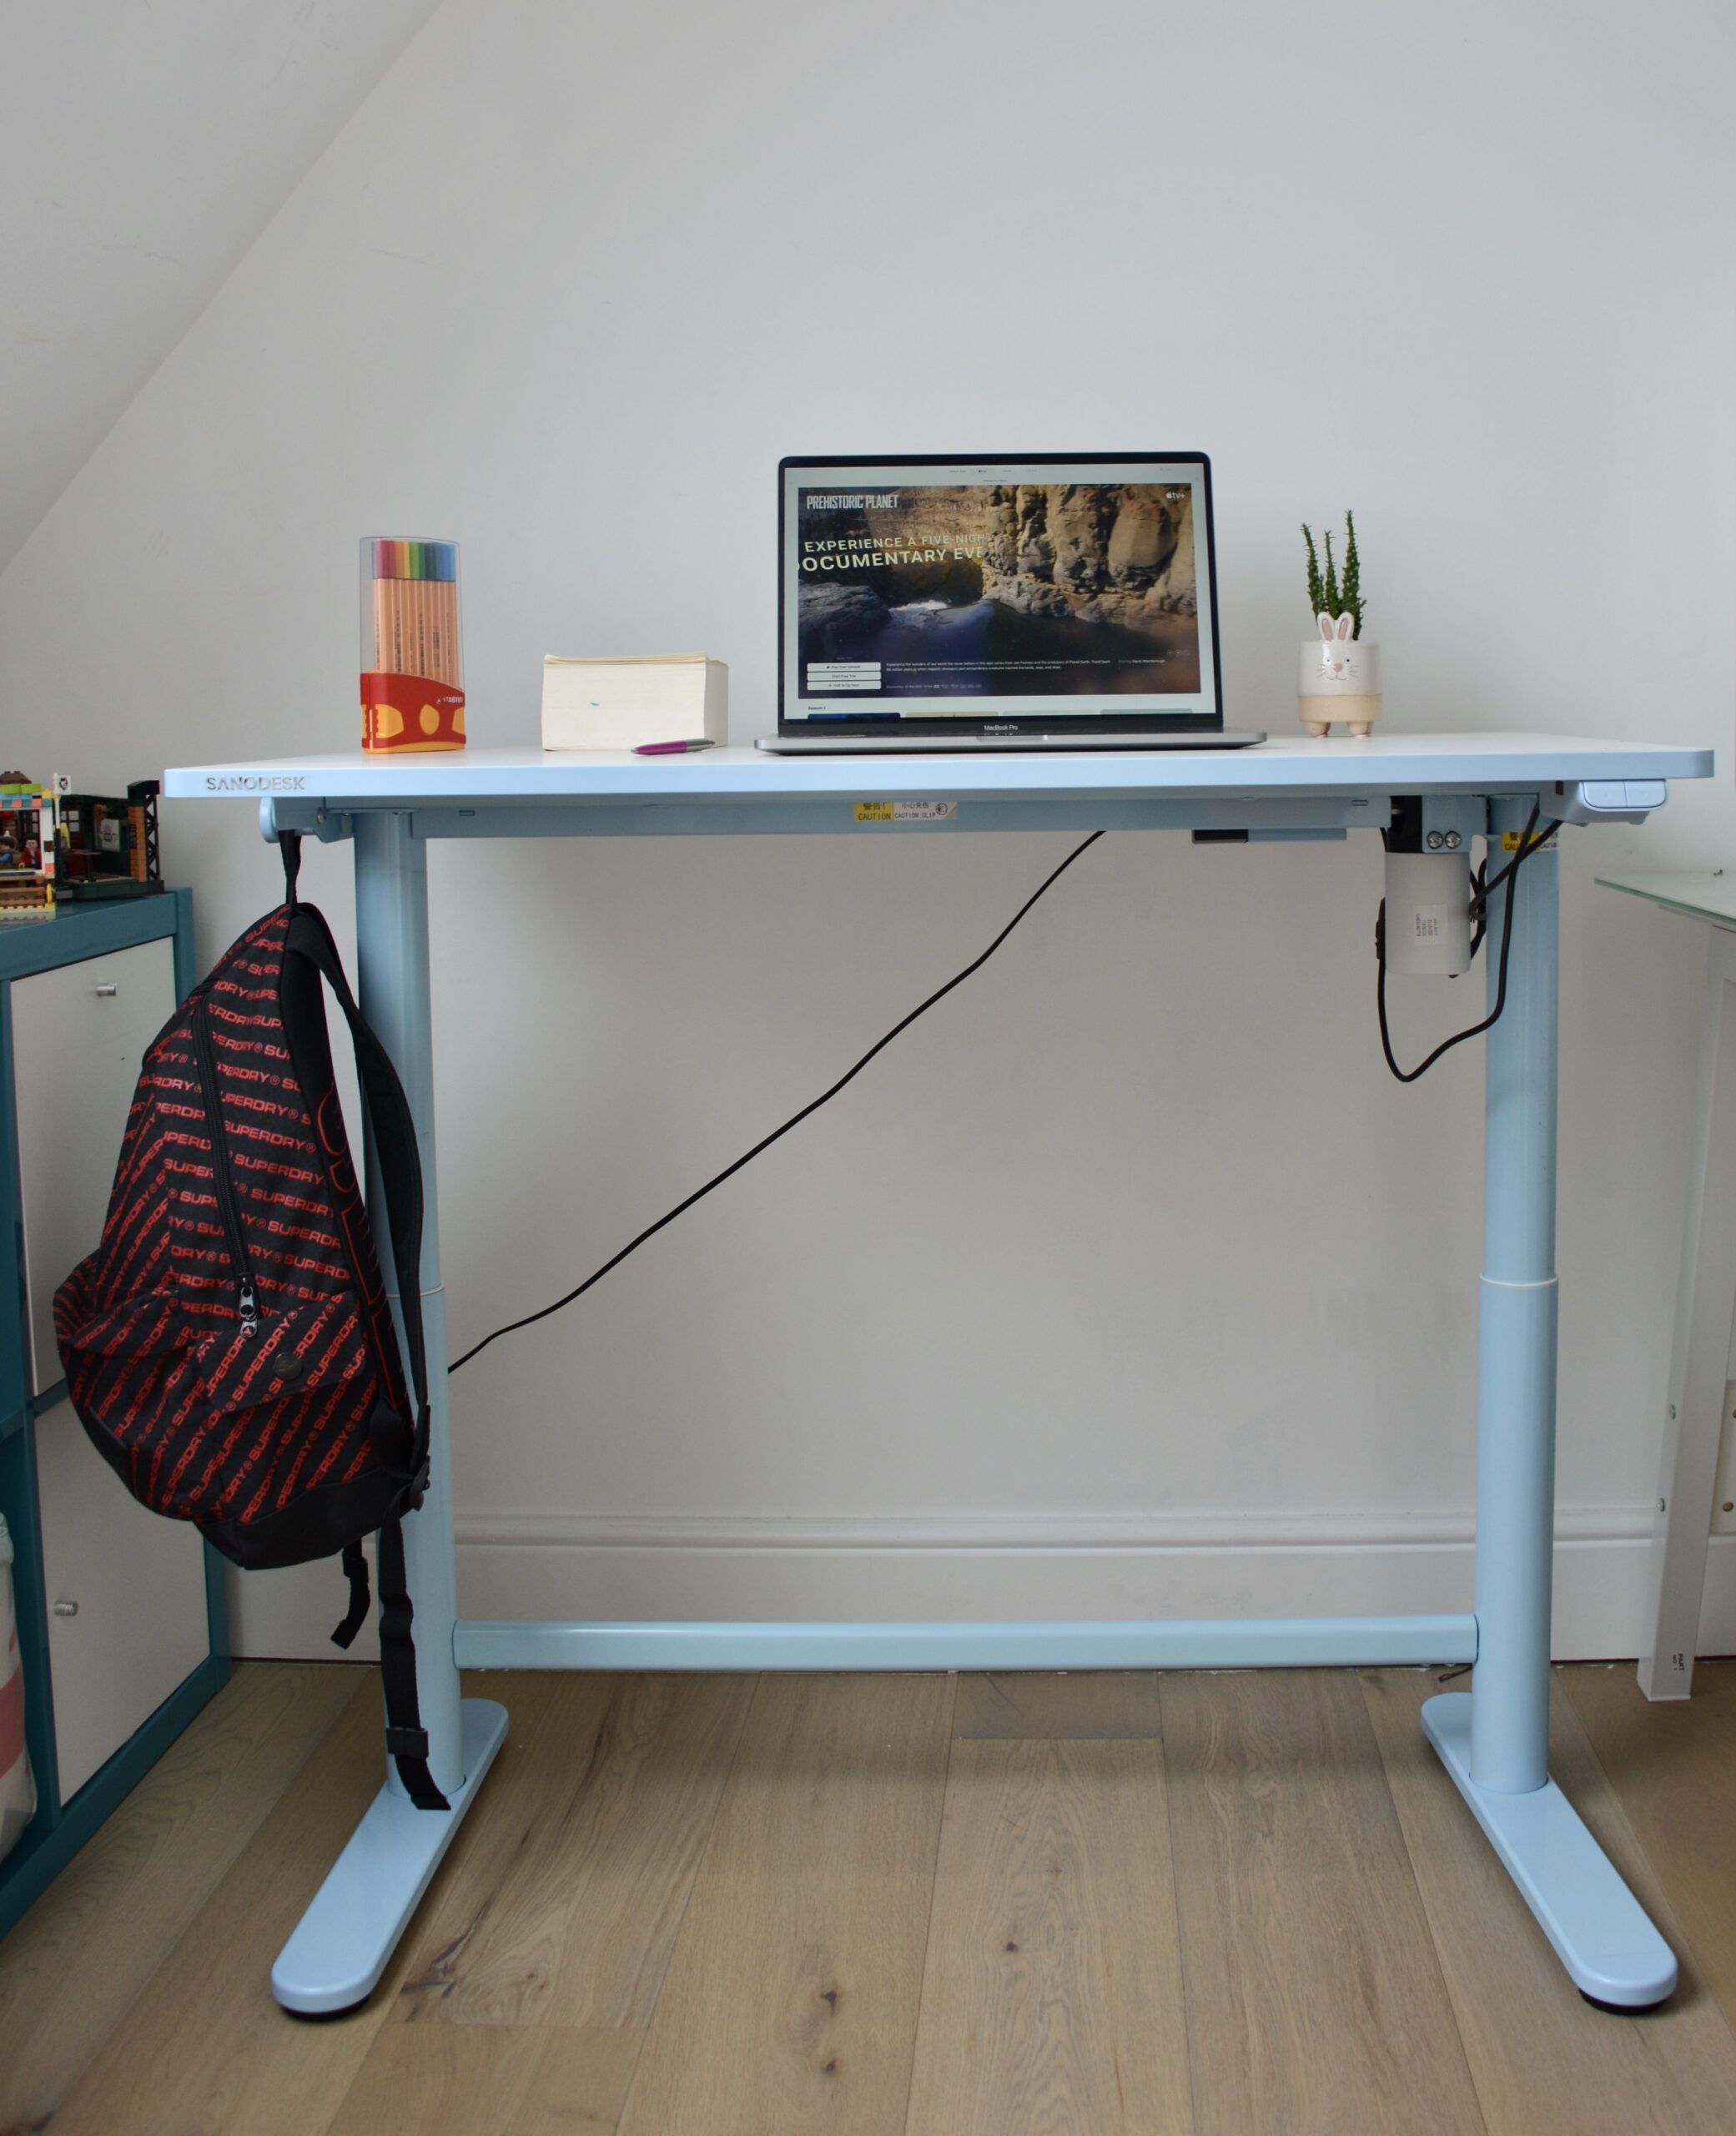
x=843 y=674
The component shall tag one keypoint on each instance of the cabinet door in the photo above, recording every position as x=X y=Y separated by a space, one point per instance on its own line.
x=78 y=1035
x=126 y=1590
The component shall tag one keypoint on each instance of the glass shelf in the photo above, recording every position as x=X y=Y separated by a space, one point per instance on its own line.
x=1705 y=893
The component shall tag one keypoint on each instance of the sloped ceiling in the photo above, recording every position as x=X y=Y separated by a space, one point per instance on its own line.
x=144 y=144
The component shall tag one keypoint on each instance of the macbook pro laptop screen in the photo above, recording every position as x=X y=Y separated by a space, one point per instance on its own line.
x=1005 y=594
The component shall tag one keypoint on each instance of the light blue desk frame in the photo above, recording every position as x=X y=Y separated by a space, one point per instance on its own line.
x=1493 y=1741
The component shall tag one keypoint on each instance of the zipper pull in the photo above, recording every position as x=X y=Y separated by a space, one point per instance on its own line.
x=248 y=1308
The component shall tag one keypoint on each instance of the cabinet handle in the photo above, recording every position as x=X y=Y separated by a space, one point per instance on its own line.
x=106 y=989
x=66 y=1609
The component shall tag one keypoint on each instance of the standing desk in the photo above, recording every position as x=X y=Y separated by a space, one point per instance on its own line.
x=1492 y=1740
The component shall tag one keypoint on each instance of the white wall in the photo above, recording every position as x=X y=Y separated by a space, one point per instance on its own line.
x=144 y=146
x=1128 y=1284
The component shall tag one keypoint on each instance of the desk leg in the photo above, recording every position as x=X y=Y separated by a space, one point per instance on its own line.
x=1494 y=1741
x=1699 y=1358
x=342 y=1944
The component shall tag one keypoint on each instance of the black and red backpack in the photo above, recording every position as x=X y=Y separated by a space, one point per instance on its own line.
x=229 y=1345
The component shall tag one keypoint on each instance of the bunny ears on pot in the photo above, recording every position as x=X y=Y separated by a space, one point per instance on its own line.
x=1345 y=627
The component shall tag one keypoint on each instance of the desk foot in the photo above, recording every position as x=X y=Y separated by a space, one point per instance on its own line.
x=342 y=1942
x=1614 y=1954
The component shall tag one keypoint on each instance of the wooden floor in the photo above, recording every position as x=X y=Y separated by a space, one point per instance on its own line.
x=1236 y=1903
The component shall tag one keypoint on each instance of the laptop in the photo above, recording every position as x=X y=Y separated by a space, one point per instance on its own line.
x=1042 y=601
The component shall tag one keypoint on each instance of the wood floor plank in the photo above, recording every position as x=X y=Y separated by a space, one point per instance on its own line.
x=73 y=1965
x=1052 y=1993
x=1673 y=1767
x=490 y=2080
x=250 y=2060
x=1540 y=2056
x=580 y=1929
x=462 y=1919
x=1023 y=1705
x=204 y=2050
x=636 y=1843
x=790 y=2004
x=1315 y=2003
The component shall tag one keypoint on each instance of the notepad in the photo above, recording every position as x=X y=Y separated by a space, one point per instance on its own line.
x=624 y=703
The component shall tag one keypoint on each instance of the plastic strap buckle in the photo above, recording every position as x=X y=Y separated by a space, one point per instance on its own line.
x=406 y=1742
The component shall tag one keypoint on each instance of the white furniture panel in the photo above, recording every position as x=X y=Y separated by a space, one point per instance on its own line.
x=126 y=1599
x=78 y=1034
x=1690 y=1486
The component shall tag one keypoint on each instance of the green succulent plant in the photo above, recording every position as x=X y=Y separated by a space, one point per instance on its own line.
x=1331 y=593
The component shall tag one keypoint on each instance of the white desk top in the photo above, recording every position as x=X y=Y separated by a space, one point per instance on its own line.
x=1377 y=763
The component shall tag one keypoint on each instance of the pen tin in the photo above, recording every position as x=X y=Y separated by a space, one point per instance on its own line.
x=412 y=680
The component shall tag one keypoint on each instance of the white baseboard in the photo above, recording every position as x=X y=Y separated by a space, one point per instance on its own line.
x=613 y=1567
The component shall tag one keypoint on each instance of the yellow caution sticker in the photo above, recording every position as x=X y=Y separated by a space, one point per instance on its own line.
x=906 y=812
x=1510 y=842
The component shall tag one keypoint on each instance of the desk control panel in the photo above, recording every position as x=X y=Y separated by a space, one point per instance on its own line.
x=1607 y=800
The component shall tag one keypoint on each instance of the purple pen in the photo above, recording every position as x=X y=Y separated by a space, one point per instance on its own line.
x=669 y=748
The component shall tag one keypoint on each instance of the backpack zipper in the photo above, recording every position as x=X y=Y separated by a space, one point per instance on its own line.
x=246 y=1302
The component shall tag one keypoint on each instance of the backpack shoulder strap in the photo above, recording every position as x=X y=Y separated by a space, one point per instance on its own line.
x=393 y=1130
x=394 y=1135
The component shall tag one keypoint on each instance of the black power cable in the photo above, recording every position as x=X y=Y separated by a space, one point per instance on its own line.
x=1479 y=907
x=1485 y=890
x=795 y=1120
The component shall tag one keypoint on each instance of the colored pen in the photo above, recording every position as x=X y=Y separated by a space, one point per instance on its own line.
x=669 y=748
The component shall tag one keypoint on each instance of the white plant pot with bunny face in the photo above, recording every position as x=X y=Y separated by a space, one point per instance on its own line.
x=1339 y=677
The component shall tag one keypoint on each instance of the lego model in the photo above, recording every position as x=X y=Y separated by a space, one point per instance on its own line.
x=26 y=848
x=108 y=846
